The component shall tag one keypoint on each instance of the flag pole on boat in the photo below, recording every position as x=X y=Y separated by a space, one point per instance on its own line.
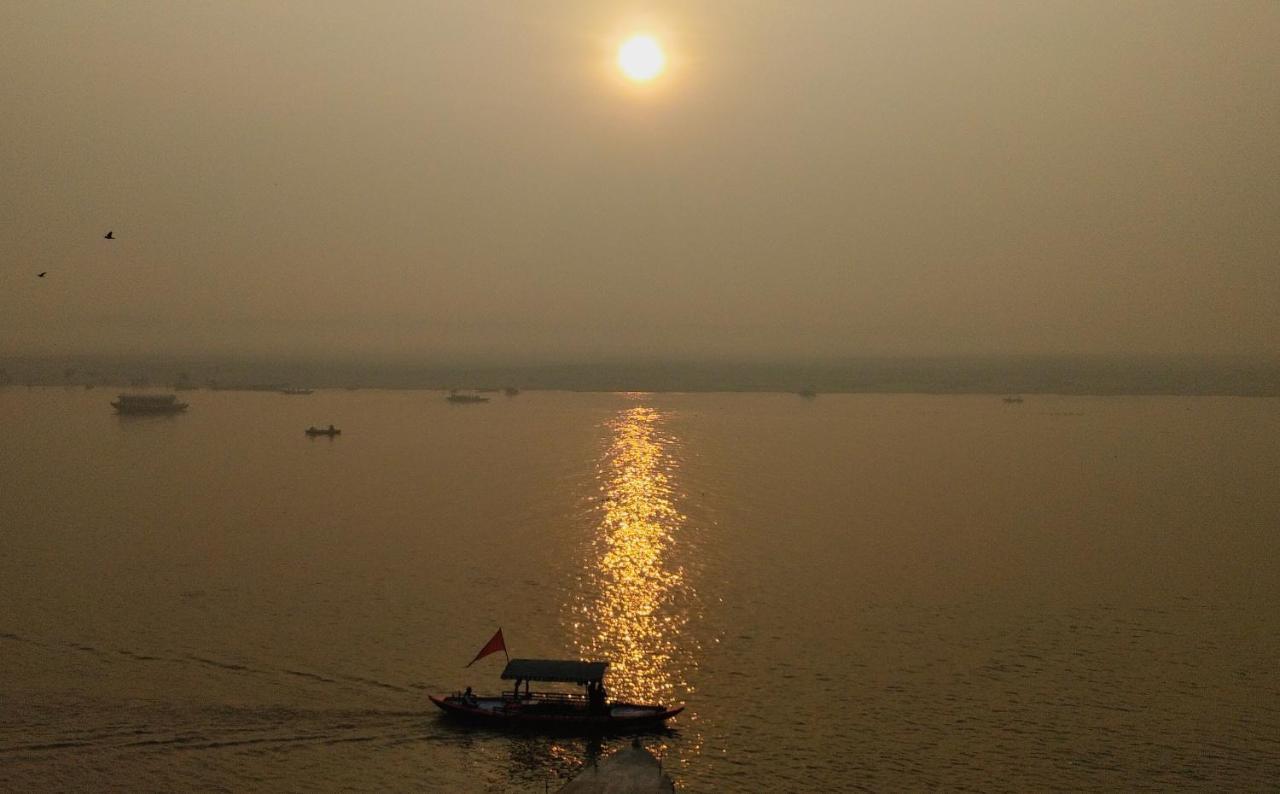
x=494 y=645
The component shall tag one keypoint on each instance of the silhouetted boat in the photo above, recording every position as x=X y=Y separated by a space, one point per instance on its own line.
x=555 y=711
x=294 y=390
x=330 y=431
x=245 y=386
x=148 y=404
x=511 y=391
x=457 y=397
x=808 y=394
x=1013 y=398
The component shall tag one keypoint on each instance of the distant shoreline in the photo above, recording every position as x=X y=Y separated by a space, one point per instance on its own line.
x=1079 y=376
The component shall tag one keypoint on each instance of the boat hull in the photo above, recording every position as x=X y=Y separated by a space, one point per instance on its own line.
x=506 y=715
x=141 y=410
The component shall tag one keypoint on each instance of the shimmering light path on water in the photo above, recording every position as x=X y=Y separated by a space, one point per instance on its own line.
x=890 y=592
x=631 y=607
x=634 y=599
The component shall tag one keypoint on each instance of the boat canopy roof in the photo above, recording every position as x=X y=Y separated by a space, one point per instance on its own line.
x=562 y=670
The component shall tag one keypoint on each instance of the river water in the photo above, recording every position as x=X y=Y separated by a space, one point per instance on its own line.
x=851 y=592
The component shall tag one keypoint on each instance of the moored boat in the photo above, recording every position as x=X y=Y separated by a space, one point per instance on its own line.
x=148 y=404
x=330 y=431
x=590 y=712
x=465 y=397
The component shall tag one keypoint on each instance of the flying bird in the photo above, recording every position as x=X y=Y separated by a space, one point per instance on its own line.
x=109 y=236
x=41 y=274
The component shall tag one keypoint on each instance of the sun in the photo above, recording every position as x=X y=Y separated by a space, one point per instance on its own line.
x=641 y=58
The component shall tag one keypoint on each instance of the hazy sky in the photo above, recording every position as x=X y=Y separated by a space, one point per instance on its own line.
x=806 y=178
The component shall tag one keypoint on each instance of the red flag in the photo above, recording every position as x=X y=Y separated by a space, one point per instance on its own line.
x=492 y=646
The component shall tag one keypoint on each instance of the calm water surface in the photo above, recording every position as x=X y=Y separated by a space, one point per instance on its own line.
x=878 y=592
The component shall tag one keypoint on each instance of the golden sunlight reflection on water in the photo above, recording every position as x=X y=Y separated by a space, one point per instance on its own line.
x=632 y=607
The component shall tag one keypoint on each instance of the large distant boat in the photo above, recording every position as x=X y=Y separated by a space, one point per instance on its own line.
x=148 y=404
x=466 y=397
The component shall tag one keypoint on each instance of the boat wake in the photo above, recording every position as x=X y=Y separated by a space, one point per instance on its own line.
x=39 y=725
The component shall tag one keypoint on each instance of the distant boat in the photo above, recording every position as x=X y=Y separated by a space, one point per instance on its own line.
x=148 y=404
x=329 y=431
x=460 y=397
x=294 y=390
x=808 y=394
x=1013 y=398
x=511 y=391
x=216 y=386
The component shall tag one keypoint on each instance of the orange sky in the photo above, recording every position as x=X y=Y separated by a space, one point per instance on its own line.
x=816 y=178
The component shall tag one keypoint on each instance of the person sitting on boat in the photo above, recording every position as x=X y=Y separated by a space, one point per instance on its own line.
x=469 y=698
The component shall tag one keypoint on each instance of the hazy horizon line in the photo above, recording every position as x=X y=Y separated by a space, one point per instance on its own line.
x=624 y=359
x=1096 y=374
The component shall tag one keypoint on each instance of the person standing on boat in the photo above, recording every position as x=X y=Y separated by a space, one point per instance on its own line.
x=595 y=697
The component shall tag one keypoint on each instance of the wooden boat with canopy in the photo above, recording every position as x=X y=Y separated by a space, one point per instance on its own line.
x=554 y=711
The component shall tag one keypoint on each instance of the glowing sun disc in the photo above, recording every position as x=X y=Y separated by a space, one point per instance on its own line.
x=641 y=58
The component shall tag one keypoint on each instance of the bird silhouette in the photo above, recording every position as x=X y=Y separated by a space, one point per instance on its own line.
x=41 y=274
x=109 y=236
